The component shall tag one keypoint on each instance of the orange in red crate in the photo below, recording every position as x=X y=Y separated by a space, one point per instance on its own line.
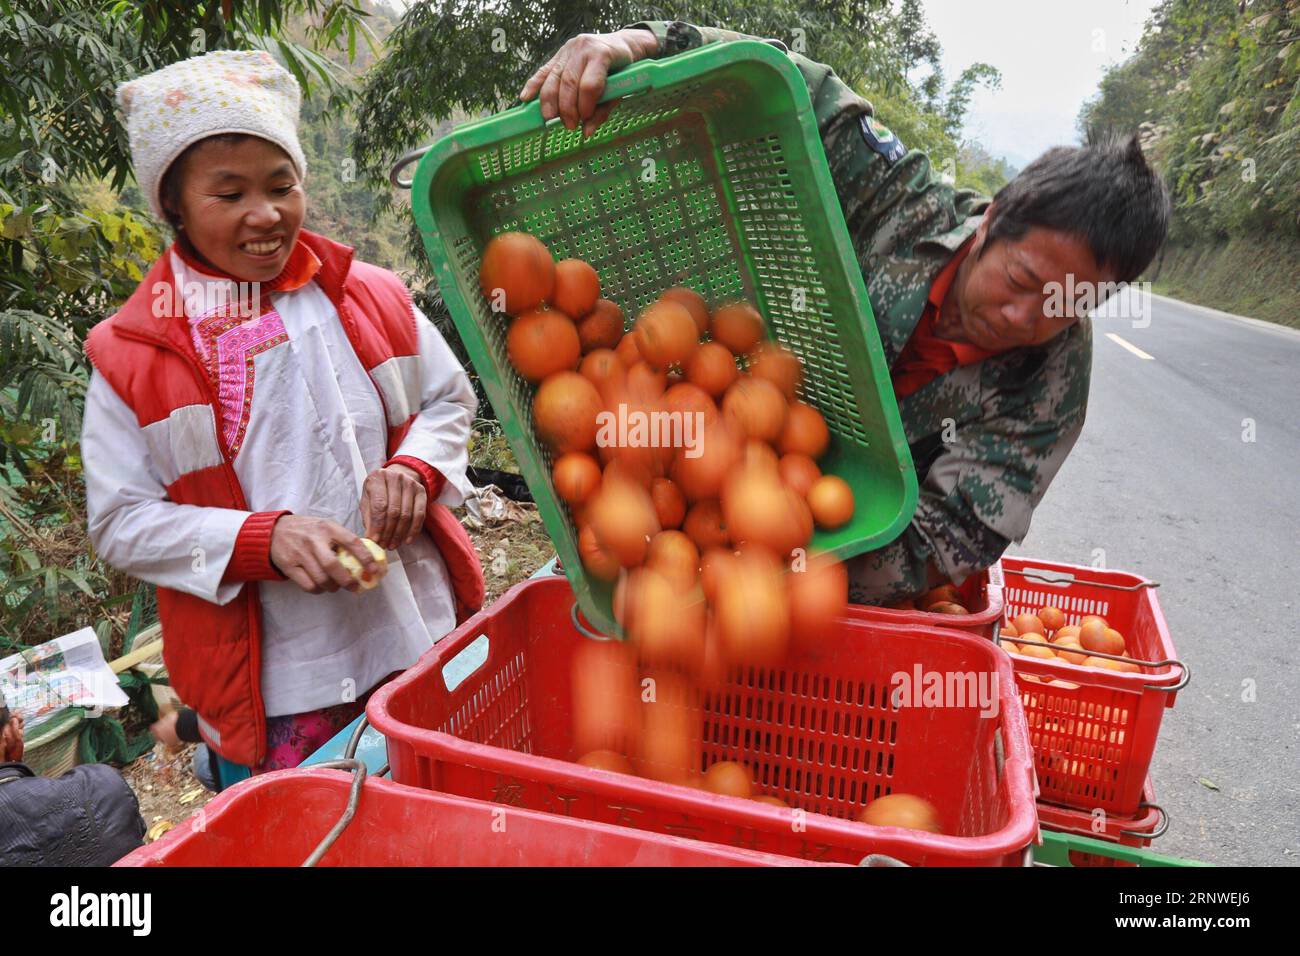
x=1098 y=724
x=828 y=731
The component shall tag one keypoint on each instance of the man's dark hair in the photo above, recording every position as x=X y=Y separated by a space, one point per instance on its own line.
x=169 y=190
x=1104 y=192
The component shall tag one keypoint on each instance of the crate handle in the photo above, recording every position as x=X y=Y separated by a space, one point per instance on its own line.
x=1160 y=828
x=628 y=82
x=1167 y=662
x=349 y=811
x=1066 y=578
x=880 y=859
x=576 y=617
x=402 y=163
x=480 y=645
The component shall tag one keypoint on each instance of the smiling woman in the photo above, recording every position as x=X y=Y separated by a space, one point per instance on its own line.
x=236 y=202
x=261 y=402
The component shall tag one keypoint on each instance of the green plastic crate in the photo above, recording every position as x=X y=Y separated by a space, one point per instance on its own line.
x=710 y=173
x=1056 y=848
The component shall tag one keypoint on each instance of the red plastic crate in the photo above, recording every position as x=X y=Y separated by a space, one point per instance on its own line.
x=821 y=733
x=981 y=594
x=1137 y=830
x=1094 y=731
x=278 y=819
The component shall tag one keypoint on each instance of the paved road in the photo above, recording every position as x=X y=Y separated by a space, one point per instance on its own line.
x=1163 y=481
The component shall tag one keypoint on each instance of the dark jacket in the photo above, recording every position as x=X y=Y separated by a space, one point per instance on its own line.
x=87 y=817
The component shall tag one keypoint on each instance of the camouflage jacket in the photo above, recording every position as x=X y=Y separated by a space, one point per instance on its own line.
x=987 y=438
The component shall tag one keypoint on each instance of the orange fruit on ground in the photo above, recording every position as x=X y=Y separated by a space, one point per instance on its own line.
x=831 y=500
x=753 y=610
x=606 y=760
x=712 y=367
x=666 y=334
x=700 y=472
x=669 y=502
x=576 y=476
x=577 y=287
x=901 y=810
x=1053 y=618
x=776 y=363
x=603 y=369
x=623 y=517
x=818 y=595
x=521 y=267
x=759 y=509
x=674 y=555
x=728 y=779
x=757 y=407
x=541 y=343
x=738 y=326
x=704 y=525
x=798 y=471
x=602 y=327
x=694 y=304
x=599 y=563
x=627 y=350
x=690 y=400
x=805 y=431
x=1025 y=623
x=564 y=412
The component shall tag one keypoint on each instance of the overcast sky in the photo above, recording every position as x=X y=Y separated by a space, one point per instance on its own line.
x=1052 y=54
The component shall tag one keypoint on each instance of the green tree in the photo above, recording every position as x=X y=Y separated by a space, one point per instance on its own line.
x=69 y=253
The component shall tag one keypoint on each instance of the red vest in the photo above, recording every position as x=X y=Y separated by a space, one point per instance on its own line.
x=213 y=652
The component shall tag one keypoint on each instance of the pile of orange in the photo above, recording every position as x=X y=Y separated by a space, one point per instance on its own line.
x=705 y=537
x=1072 y=643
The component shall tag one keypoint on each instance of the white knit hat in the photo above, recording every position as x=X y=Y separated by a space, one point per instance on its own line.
x=228 y=91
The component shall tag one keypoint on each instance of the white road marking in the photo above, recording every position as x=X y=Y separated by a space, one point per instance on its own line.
x=1130 y=346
